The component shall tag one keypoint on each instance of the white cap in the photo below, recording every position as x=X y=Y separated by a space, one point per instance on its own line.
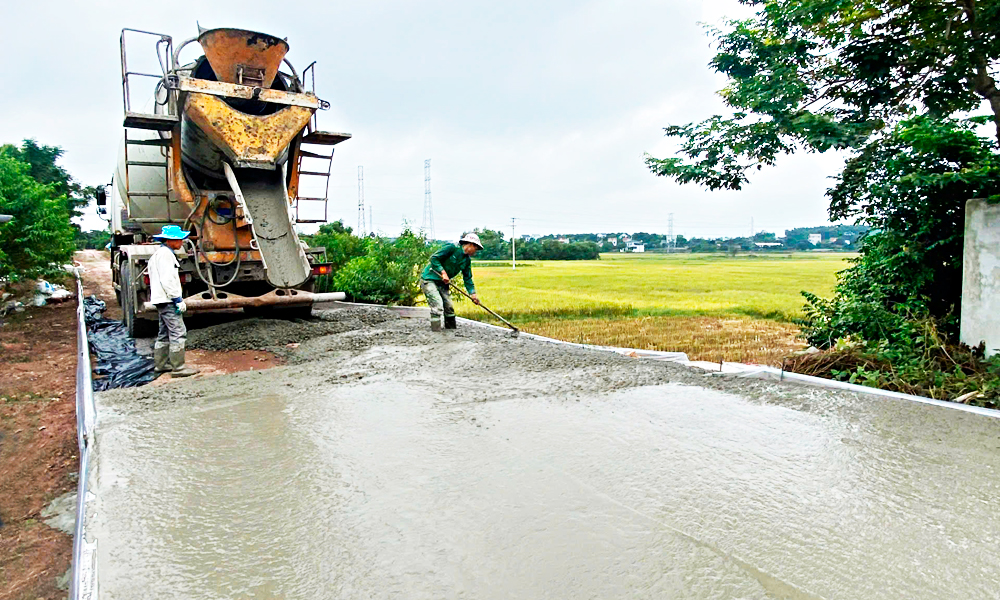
x=472 y=238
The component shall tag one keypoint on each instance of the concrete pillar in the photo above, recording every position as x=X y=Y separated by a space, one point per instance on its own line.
x=981 y=280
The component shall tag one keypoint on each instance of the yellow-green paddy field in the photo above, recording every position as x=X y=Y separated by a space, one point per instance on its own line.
x=713 y=306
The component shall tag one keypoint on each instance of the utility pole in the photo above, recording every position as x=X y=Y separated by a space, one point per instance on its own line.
x=670 y=232
x=513 y=246
x=427 y=227
x=361 y=201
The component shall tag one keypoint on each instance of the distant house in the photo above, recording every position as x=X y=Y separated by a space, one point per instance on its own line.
x=563 y=240
x=635 y=247
x=613 y=241
x=815 y=238
x=625 y=238
x=766 y=244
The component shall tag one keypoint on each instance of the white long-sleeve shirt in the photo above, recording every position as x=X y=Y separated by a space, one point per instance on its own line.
x=164 y=280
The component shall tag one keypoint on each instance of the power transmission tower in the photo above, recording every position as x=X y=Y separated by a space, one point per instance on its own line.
x=361 y=201
x=670 y=233
x=427 y=227
x=513 y=245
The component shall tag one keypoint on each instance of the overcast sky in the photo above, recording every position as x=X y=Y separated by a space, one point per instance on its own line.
x=540 y=111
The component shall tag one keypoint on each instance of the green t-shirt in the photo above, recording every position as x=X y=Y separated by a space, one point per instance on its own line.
x=452 y=260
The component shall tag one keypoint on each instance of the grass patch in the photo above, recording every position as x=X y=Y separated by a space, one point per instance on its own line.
x=630 y=285
x=703 y=304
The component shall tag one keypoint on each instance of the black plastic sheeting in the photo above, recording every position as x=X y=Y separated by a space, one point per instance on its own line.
x=117 y=364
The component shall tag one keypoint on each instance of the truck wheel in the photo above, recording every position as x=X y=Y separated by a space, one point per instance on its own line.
x=137 y=326
x=125 y=299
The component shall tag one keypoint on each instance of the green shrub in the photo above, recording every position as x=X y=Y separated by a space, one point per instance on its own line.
x=39 y=239
x=376 y=270
x=894 y=319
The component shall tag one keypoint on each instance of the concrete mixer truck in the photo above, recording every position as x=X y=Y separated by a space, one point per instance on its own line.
x=224 y=149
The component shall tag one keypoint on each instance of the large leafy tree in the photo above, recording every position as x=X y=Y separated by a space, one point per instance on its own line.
x=39 y=238
x=891 y=82
x=817 y=75
x=41 y=160
x=910 y=186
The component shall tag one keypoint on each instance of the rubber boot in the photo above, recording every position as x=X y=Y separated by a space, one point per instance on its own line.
x=161 y=358
x=177 y=362
x=449 y=322
x=435 y=324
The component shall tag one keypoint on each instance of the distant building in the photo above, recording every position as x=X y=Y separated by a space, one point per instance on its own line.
x=815 y=238
x=563 y=240
x=766 y=244
x=613 y=241
x=635 y=247
x=625 y=238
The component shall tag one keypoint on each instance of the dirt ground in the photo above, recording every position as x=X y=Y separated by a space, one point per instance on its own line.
x=97 y=281
x=38 y=441
x=38 y=447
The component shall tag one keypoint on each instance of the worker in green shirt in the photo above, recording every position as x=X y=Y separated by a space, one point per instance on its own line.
x=446 y=263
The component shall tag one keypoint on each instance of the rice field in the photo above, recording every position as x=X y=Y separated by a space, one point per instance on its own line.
x=714 y=307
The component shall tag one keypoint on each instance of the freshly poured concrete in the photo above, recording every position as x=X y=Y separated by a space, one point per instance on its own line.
x=394 y=464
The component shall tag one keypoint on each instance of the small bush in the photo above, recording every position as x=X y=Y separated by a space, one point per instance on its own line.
x=376 y=270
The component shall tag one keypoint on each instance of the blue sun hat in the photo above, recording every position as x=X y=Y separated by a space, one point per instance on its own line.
x=172 y=232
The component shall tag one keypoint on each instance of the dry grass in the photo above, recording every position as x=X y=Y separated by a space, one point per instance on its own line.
x=732 y=339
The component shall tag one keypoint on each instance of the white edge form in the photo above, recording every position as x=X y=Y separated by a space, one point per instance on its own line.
x=738 y=369
x=82 y=584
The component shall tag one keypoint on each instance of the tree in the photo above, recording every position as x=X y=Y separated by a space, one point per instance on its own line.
x=911 y=187
x=44 y=170
x=95 y=239
x=39 y=239
x=820 y=74
x=494 y=246
x=340 y=243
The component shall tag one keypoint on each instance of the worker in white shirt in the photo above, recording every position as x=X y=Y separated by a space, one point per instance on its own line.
x=167 y=296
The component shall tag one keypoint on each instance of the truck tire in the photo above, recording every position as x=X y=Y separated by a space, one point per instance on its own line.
x=125 y=298
x=136 y=325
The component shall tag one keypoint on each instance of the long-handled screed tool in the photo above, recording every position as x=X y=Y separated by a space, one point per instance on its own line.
x=513 y=330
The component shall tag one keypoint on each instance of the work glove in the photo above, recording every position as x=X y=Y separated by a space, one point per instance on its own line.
x=180 y=307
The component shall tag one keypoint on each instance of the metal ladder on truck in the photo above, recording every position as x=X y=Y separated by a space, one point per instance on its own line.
x=313 y=137
x=328 y=158
x=157 y=122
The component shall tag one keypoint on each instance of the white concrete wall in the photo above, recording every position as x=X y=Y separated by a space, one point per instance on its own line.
x=981 y=282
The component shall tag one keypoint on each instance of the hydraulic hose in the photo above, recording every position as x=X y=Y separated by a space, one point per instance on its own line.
x=209 y=207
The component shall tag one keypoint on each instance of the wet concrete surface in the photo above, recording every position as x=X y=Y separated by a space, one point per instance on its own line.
x=389 y=462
